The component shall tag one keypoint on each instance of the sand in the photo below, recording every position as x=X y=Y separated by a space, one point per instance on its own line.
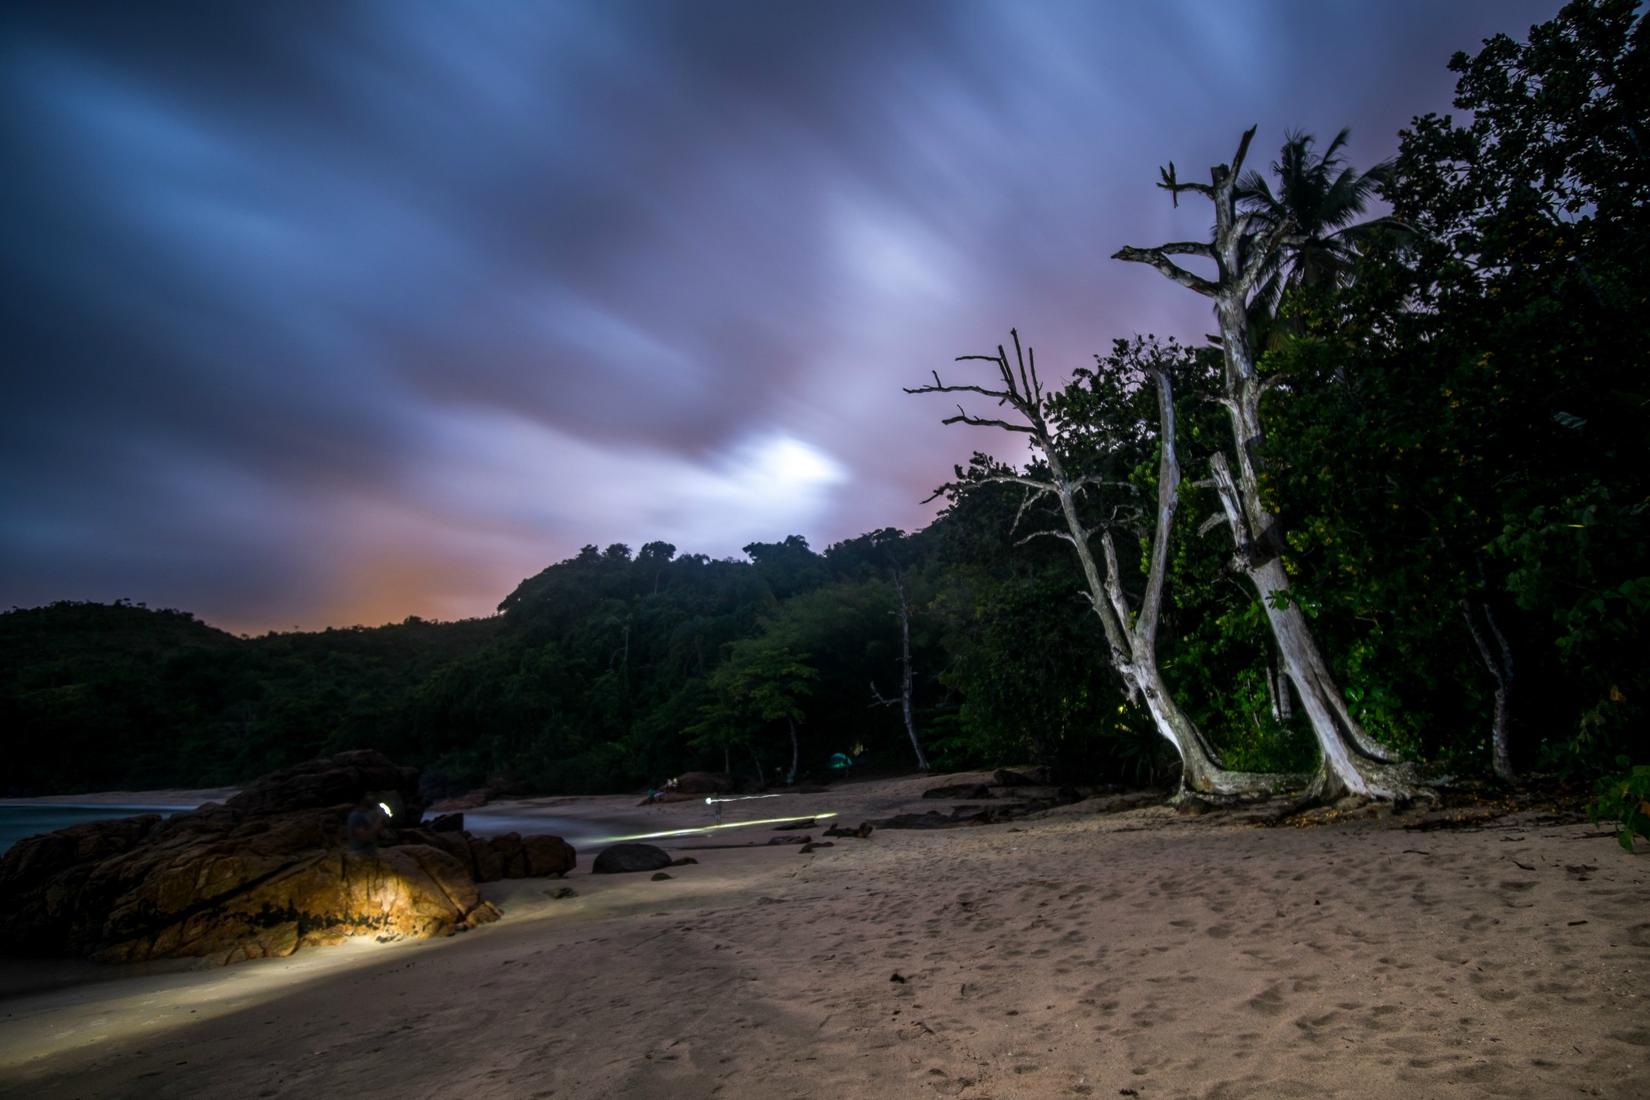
x=1136 y=953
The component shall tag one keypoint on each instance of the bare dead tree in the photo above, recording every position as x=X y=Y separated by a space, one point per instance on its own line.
x=1130 y=632
x=1500 y=663
x=1242 y=251
x=904 y=699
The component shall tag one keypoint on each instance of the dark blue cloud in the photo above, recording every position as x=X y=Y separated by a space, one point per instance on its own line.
x=326 y=312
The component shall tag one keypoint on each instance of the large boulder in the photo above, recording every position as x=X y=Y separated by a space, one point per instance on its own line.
x=320 y=897
x=548 y=855
x=332 y=781
x=624 y=859
x=264 y=874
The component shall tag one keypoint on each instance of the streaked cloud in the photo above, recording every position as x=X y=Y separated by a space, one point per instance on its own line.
x=334 y=313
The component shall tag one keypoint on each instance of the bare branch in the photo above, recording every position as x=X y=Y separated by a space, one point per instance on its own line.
x=1101 y=483
x=1156 y=258
x=1114 y=590
x=983 y=422
x=950 y=387
x=1242 y=152
x=1063 y=536
x=1188 y=248
x=1020 y=355
x=1033 y=492
x=1209 y=524
x=1168 y=502
x=1030 y=483
x=1174 y=187
x=1039 y=487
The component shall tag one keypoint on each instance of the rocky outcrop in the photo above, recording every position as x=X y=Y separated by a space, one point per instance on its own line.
x=960 y=790
x=264 y=874
x=624 y=859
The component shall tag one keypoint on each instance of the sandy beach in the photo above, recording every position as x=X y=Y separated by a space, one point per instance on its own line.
x=1076 y=954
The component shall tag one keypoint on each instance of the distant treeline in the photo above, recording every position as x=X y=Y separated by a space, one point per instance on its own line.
x=610 y=670
x=1444 y=464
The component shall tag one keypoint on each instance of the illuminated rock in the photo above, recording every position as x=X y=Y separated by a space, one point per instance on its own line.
x=262 y=875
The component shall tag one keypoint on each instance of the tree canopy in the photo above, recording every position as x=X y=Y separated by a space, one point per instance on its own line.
x=1444 y=457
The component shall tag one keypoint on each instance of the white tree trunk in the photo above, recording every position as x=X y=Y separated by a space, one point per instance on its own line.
x=905 y=671
x=1500 y=664
x=796 y=753
x=1352 y=760
x=1131 y=635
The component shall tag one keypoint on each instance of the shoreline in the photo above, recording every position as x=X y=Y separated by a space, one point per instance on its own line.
x=1074 y=953
x=164 y=799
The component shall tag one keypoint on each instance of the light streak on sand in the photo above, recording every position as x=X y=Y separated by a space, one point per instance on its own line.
x=710 y=828
x=153 y=999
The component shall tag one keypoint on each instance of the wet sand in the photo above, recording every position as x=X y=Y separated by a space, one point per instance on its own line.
x=1072 y=955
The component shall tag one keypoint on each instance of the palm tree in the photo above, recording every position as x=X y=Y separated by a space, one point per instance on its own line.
x=1322 y=197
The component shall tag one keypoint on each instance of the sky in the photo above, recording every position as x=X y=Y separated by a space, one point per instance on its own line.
x=334 y=313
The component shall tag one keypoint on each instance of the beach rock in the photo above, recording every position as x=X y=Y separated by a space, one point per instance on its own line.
x=624 y=859
x=486 y=865
x=446 y=823
x=512 y=861
x=263 y=908
x=674 y=796
x=1003 y=777
x=456 y=845
x=262 y=875
x=34 y=860
x=470 y=800
x=805 y=823
x=548 y=855
x=660 y=876
x=972 y=791
x=331 y=781
x=933 y=819
x=683 y=862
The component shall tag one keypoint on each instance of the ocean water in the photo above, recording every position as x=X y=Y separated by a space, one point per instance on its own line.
x=18 y=822
x=580 y=834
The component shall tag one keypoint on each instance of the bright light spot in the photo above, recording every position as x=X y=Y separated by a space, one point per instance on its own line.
x=387 y=811
x=794 y=463
x=709 y=828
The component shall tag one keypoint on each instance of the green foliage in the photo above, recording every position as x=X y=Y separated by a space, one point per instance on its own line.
x=760 y=684
x=1455 y=427
x=1624 y=799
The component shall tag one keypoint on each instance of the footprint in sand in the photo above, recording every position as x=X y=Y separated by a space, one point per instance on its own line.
x=1269 y=1001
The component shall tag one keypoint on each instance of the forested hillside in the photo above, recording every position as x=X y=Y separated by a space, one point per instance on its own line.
x=1397 y=511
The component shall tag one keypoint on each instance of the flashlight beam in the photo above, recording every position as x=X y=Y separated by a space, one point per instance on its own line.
x=708 y=828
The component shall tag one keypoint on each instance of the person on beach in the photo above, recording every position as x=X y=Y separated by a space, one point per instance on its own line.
x=364 y=826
